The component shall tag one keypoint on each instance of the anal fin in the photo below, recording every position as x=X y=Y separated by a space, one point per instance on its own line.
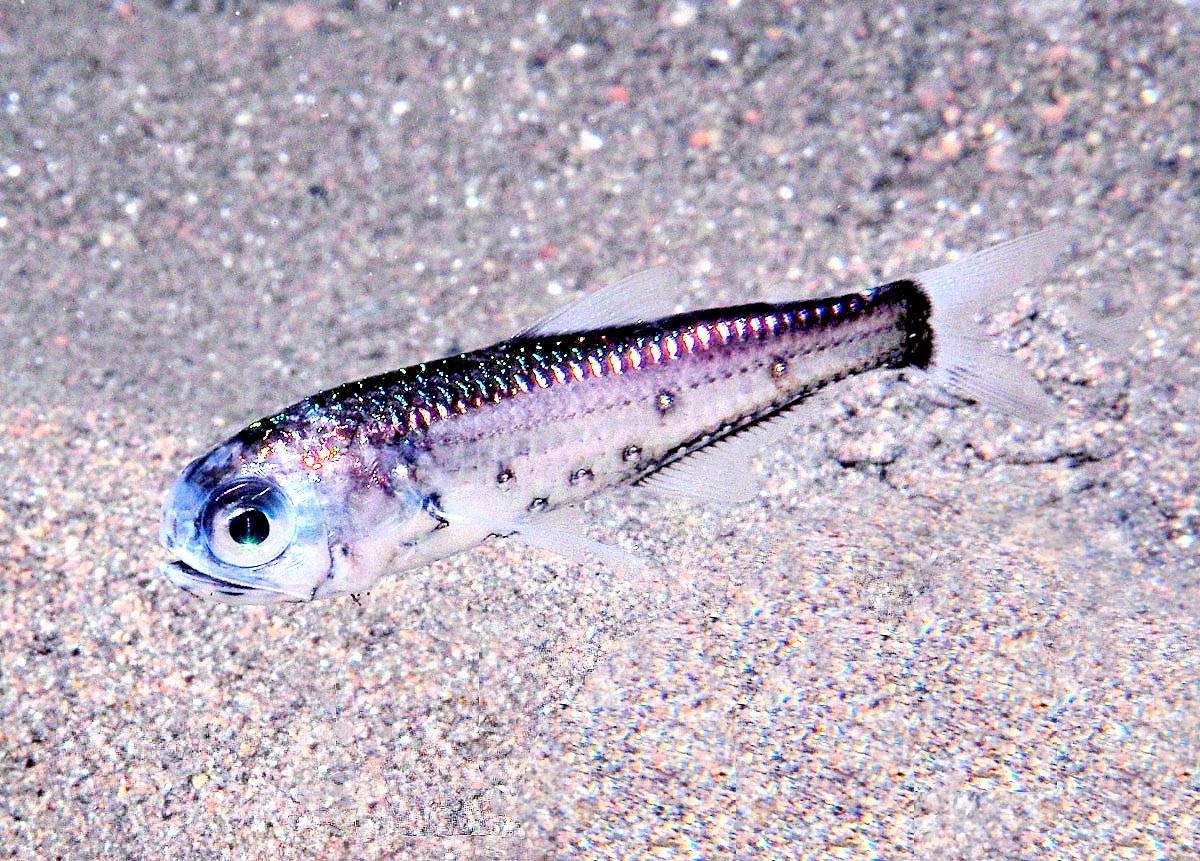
x=723 y=471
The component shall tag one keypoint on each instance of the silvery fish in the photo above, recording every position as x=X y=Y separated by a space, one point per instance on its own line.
x=394 y=471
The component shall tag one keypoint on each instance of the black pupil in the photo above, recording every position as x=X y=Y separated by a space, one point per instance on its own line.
x=250 y=527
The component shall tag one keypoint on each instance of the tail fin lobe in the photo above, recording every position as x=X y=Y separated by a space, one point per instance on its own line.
x=965 y=362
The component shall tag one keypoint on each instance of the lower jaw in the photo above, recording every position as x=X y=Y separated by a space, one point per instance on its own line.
x=198 y=583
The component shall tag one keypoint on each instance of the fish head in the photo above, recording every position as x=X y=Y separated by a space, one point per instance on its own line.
x=246 y=529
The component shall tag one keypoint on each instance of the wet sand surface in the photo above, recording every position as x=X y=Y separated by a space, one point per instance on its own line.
x=936 y=634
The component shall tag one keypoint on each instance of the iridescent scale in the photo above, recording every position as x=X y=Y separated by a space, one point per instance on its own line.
x=665 y=388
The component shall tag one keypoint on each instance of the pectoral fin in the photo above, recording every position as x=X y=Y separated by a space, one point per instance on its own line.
x=561 y=531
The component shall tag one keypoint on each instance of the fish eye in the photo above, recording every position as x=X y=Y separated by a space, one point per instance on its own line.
x=248 y=523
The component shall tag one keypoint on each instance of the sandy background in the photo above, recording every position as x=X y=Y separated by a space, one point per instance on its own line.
x=937 y=635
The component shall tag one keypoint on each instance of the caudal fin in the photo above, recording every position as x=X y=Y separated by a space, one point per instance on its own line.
x=965 y=361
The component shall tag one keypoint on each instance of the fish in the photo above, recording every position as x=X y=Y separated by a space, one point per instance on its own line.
x=392 y=472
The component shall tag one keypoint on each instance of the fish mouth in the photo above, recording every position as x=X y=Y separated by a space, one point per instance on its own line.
x=196 y=582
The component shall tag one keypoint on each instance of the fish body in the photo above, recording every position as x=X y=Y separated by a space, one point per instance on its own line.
x=394 y=471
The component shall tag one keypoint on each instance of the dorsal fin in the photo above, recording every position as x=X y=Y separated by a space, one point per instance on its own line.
x=647 y=295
